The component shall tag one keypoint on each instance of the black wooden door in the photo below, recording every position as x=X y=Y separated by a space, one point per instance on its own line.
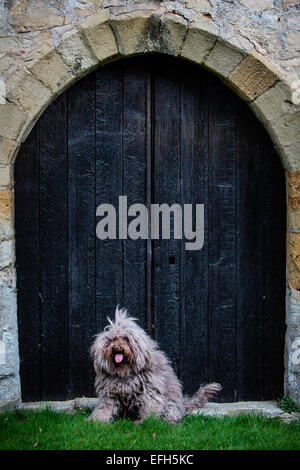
x=158 y=130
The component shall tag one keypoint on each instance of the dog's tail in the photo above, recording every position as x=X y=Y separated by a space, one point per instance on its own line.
x=202 y=396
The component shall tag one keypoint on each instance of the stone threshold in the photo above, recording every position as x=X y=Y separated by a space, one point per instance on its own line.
x=268 y=409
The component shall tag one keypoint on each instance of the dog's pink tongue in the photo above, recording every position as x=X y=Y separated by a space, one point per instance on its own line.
x=119 y=358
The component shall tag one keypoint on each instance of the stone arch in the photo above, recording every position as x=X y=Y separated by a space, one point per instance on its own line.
x=103 y=37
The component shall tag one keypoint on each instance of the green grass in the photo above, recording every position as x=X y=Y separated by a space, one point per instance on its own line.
x=51 y=430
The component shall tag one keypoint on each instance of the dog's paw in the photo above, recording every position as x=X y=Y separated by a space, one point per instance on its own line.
x=138 y=422
x=102 y=415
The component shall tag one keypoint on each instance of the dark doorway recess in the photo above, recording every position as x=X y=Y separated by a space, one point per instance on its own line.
x=158 y=130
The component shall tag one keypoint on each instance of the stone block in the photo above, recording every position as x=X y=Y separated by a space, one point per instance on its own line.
x=294 y=220
x=100 y=36
x=253 y=76
x=28 y=92
x=13 y=121
x=7 y=253
x=286 y=3
x=9 y=64
x=145 y=31
x=8 y=405
x=199 y=5
x=293 y=200
x=6 y=213
x=223 y=59
x=8 y=150
x=38 y=16
x=6 y=176
x=200 y=39
x=293 y=260
x=273 y=103
x=50 y=69
x=293 y=189
x=287 y=128
x=75 y=53
x=293 y=312
x=258 y=5
x=8 y=277
x=291 y=155
x=173 y=32
x=10 y=390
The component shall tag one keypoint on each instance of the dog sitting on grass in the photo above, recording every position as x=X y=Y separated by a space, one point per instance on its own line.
x=134 y=378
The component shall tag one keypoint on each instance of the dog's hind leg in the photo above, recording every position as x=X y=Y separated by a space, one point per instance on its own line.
x=105 y=412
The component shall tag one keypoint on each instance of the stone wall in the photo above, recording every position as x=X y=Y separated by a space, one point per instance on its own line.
x=45 y=45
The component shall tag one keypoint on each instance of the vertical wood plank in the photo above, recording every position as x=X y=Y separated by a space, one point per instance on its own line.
x=54 y=251
x=81 y=233
x=222 y=243
x=134 y=185
x=109 y=186
x=250 y=315
x=274 y=226
x=27 y=264
x=166 y=174
x=194 y=264
x=149 y=195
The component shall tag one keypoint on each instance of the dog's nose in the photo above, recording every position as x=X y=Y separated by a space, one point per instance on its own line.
x=117 y=350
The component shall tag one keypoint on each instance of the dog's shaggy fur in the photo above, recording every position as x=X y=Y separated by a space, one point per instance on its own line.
x=134 y=378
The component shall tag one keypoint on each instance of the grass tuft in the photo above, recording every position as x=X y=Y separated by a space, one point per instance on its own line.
x=48 y=429
x=287 y=405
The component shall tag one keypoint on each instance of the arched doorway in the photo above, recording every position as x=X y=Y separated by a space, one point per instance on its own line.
x=158 y=130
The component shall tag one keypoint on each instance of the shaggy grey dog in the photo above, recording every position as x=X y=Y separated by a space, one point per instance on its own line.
x=134 y=377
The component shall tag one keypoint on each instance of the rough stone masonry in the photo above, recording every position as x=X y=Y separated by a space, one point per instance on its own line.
x=45 y=45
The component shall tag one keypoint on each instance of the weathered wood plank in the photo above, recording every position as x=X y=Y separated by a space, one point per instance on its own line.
x=134 y=185
x=54 y=251
x=28 y=264
x=250 y=326
x=166 y=174
x=109 y=186
x=274 y=226
x=81 y=233
x=194 y=264
x=222 y=238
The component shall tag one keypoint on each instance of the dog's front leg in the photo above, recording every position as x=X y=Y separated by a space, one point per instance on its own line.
x=104 y=411
x=141 y=417
x=149 y=406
